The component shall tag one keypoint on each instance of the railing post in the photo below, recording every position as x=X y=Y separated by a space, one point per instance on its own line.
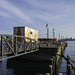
x=1 y=46
x=36 y=45
x=15 y=45
x=24 y=45
x=31 y=44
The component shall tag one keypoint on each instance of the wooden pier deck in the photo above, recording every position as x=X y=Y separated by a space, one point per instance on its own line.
x=45 y=52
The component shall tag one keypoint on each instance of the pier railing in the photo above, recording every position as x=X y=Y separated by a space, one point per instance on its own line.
x=50 y=43
x=14 y=45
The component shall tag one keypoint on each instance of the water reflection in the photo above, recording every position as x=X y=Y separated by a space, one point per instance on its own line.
x=3 y=68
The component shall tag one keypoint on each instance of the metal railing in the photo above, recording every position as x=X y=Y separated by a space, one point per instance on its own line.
x=15 y=45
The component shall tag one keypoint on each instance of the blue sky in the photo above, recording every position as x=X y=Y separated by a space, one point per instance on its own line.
x=59 y=14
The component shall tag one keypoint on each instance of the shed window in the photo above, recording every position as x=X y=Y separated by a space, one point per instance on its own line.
x=31 y=33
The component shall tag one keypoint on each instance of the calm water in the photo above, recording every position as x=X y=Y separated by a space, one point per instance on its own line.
x=70 y=49
x=15 y=67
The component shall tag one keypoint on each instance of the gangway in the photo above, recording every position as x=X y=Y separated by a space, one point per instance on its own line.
x=10 y=46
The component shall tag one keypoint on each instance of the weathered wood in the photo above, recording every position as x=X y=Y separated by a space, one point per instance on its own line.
x=53 y=64
x=69 y=62
x=69 y=70
x=51 y=72
x=56 y=64
x=68 y=57
x=60 y=74
x=51 y=61
x=47 y=73
x=61 y=50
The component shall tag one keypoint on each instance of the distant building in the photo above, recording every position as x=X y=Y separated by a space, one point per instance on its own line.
x=45 y=39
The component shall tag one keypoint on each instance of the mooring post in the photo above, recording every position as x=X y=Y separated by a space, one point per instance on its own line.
x=56 y=64
x=51 y=61
x=50 y=66
x=53 y=65
x=69 y=62
x=68 y=65
x=69 y=69
x=60 y=74
x=47 y=73
x=56 y=60
x=68 y=57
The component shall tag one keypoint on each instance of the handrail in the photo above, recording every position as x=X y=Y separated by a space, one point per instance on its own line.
x=17 y=36
x=16 y=47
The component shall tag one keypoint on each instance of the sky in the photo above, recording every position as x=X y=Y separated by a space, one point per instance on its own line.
x=58 y=14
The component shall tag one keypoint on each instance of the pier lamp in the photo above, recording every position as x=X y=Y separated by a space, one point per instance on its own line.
x=47 y=33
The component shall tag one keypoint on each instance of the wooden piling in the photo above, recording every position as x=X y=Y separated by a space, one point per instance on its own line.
x=68 y=57
x=60 y=74
x=51 y=72
x=69 y=62
x=61 y=50
x=69 y=70
x=53 y=65
x=47 y=73
x=56 y=61
x=56 y=65
x=51 y=61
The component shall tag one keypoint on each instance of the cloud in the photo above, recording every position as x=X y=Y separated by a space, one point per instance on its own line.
x=14 y=11
x=51 y=11
x=4 y=14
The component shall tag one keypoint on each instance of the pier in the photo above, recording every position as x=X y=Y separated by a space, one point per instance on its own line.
x=30 y=51
x=13 y=48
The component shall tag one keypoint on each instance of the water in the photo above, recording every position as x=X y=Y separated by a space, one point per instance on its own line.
x=70 y=50
x=20 y=67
